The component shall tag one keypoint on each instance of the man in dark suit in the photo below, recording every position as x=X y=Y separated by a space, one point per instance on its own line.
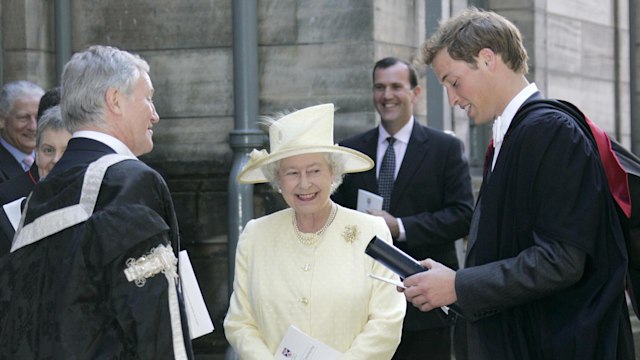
x=51 y=141
x=21 y=185
x=544 y=276
x=431 y=199
x=92 y=271
x=19 y=102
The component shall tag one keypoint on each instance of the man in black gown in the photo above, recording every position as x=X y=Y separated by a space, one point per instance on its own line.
x=546 y=260
x=92 y=271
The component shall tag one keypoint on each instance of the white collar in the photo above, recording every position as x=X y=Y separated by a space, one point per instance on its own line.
x=403 y=135
x=118 y=146
x=502 y=122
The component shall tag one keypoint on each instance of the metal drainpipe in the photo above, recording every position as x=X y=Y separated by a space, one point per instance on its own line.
x=245 y=135
x=435 y=92
x=62 y=34
x=633 y=85
x=617 y=65
x=1 y=50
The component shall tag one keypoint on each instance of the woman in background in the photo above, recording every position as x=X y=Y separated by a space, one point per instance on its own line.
x=51 y=140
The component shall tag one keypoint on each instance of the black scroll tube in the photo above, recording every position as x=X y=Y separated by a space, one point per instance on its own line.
x=399 y=262
x=393 y=258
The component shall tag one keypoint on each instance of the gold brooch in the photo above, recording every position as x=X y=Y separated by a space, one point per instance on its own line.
x=350 y=233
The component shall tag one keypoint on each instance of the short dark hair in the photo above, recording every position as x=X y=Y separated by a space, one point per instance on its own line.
x=473 y=29
x=390 y=61
x=50 y=99
x=51 y=119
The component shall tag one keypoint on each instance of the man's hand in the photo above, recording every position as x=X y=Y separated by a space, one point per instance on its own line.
x=431 y=289
x=392 y=222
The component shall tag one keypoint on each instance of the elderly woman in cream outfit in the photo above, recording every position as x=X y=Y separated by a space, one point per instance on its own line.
x=305 y=266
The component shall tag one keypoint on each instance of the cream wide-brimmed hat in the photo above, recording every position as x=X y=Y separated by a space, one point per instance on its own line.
x=305 y=131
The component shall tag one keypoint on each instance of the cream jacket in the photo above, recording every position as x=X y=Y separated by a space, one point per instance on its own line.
x=324 y=290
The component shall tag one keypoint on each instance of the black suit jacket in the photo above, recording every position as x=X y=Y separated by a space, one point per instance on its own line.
x=16 y=187
x=432 y=195
x=19 y=185
x=6 y=232
x=9 y=166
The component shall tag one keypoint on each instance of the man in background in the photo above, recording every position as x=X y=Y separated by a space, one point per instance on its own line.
x=19 y=102
x=424 y=180
x=21 y=185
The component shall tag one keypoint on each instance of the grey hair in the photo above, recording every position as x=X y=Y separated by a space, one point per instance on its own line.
x=88 y=76
x=15 y=90
x=335 y=161
x=51 y=119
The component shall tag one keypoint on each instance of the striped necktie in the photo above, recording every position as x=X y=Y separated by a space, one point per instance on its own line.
x=27 y=162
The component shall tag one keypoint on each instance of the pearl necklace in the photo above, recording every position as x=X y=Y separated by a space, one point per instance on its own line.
x=309 y=239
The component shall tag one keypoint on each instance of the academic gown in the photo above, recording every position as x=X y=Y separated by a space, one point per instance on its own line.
x=66 y=296
x=548 y=189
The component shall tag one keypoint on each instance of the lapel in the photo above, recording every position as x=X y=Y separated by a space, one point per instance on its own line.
x=370 y=148
x=416 y=150
x=9 y=166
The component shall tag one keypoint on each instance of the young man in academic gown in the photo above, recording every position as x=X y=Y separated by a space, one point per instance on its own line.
x=92 y=271
x=546 y=260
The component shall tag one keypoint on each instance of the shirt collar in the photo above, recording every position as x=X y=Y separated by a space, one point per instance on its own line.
x=502 y=122
x=403 y=135
x=14 y=151
x=118 y=146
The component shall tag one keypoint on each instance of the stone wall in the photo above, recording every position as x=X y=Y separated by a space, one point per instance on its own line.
x=27 y=42
x=579 y=51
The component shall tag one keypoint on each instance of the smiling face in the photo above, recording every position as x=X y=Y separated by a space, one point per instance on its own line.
x=139 y=116
x=393 y=96
x=52 y=145
x=305 y=181
x=19 y=125
x=468 y=88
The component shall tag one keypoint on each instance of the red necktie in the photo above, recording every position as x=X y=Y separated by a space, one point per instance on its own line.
x=488 y=159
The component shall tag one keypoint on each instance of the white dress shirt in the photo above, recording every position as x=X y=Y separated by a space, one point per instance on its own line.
x=502 y=122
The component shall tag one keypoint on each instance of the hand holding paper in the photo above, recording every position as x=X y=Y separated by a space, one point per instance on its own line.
x=368 y=201
x=297 y=345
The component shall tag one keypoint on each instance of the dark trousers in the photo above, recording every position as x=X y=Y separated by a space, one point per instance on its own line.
x=460 y=338
x=432 y=344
